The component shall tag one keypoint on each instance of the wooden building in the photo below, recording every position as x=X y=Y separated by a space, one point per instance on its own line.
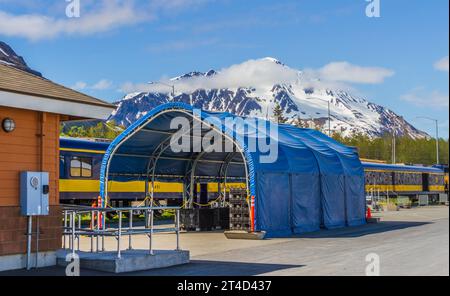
x=31 y=110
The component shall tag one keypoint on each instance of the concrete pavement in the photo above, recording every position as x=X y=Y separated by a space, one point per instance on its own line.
x=408 y=242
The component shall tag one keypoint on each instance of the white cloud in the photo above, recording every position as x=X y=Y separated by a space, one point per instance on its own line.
x=442 y=64
x=349 y=73
x=252 y=73
x=263 y=74
x=422 y=98
x=109 y=15
x=96 y=17
x=103 y=84
x=80 y=85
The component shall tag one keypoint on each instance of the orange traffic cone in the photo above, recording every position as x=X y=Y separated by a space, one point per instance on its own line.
x=369 y=213
x=100 y=215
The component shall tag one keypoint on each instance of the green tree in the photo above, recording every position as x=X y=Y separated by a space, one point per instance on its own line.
x=408 y=150
x=278 y=114
x=102 y=130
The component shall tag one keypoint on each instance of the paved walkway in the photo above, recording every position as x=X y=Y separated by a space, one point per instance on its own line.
x=408 y=242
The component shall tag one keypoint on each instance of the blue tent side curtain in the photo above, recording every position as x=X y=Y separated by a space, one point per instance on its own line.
x=315 y=181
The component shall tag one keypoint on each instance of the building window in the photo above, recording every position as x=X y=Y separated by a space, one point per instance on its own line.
x=81 y=167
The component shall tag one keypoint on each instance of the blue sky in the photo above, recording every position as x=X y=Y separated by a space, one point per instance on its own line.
x=114 y=42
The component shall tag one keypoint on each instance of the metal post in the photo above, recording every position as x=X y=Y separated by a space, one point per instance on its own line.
x=172 y=86
x=69 y=229
x=29 y=236
x=178 y=228
x=97 y=227
x=437 y=142
x=151 y=232
x=130 y=228
x=146 y=201
x=37 y=241
x=437 y=135
x=119 y=237
x=394 y=148
x=79 y=228
x=92 y=231
x=73 y=234
x=103 y=215
x=65 y=228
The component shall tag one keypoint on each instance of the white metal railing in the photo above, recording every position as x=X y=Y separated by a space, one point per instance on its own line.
x=73 y=229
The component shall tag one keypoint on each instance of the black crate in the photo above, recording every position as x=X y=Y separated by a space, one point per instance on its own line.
x=237 y=195
x=243 y=215
x=188 y=219
x=244 y=212
x=197 y=219
x=222 y=218
x=240 y=220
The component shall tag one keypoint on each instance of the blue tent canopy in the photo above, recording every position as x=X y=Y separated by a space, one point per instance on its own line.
x=313 y=181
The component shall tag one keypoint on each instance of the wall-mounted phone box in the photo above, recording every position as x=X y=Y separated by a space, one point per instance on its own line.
x=34 y=191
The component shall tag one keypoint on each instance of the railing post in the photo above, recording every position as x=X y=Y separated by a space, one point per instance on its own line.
x=69 y=228
x=73 y=233
x=74 y=229
x=178 y=228
x=92 y=231
x=119 y=235
x=79 y=229
x=97 y=217
x=130 y=228
x=65 y=228
x=29 y=238
x=103 y=215
x=151 y=231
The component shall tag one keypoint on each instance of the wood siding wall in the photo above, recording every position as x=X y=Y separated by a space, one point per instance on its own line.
x=21 y=151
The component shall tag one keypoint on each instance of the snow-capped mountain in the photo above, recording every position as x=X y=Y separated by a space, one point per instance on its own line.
x=9 y=57
x=301 y=99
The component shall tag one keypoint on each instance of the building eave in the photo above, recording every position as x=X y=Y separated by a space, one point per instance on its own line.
x=70 y=108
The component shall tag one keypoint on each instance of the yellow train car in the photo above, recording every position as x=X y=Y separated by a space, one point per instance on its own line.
x=405 y=180
x=80 y=162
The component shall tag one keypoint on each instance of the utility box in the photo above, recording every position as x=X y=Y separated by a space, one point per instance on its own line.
x=34 y=190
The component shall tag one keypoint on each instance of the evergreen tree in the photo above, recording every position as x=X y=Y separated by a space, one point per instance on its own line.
x=278 y=115
x=102 y=130
x=408 y=150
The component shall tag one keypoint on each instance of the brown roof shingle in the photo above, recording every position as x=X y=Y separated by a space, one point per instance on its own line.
x=18 y=81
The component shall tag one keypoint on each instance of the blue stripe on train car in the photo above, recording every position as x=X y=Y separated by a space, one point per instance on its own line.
x=67 y=196
x=397 y=167
x=82 y=144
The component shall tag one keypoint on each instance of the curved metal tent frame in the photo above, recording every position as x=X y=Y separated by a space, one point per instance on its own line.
x=190 y=172
x=312 y=181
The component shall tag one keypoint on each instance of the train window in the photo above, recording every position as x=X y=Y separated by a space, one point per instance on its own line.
x=81 y=167
x=62 y=167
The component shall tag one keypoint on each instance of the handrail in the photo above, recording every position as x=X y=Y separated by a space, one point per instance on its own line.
x=123 y=209
x=97 y=228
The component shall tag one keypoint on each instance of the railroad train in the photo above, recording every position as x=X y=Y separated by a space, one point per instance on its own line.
x=80 y=162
